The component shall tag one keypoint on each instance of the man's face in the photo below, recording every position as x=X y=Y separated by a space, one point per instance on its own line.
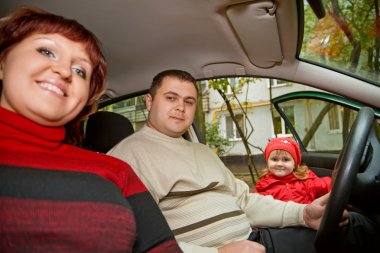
x=172 y=109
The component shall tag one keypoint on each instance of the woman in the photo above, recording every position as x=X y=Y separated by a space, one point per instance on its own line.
x=54 y=196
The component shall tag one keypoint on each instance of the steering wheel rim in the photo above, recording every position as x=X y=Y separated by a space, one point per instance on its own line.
x=347 y=166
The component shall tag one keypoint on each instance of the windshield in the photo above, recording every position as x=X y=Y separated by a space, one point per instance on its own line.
x=346 y=39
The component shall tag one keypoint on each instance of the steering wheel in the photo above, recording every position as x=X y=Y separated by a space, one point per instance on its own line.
x=346 y=169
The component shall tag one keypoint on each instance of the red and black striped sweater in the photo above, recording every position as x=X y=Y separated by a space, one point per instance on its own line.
x=56 y=197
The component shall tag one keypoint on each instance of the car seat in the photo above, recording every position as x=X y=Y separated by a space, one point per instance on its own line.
x=104 y=130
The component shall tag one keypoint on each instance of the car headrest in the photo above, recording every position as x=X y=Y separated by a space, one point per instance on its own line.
x=104 y=130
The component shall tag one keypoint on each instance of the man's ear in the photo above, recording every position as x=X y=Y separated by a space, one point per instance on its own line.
x=148 y=101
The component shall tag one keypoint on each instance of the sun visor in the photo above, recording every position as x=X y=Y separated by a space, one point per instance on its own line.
x=255 y=24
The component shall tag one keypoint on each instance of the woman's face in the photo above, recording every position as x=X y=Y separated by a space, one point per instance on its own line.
x=46 y=78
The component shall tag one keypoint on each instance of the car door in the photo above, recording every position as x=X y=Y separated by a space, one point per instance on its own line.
x=320 y=123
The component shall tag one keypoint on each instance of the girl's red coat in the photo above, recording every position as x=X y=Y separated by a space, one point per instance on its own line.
x=290 y=188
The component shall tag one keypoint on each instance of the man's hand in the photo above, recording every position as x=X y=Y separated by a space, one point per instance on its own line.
x=242 y=247
x=312 y=214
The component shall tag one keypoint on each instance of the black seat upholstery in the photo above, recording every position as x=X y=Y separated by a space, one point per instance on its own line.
x=105 y=129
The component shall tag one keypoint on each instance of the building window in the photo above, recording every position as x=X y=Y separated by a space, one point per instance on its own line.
x=280 y=83
x=233 y=86
x=280 y=128
x=231 y=131
x=132 y=108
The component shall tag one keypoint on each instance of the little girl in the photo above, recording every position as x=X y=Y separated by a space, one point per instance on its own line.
x=285 y=178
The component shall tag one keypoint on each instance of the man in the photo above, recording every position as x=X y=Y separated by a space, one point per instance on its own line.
x=208 y=209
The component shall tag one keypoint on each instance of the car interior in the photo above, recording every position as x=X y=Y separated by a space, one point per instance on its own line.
x=286 y=40
x=104 y=129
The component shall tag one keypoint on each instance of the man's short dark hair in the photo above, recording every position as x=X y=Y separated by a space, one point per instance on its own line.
x=176 y=73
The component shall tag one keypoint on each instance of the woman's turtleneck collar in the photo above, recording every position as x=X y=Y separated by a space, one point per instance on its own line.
x=153 y=133
x=20 y=133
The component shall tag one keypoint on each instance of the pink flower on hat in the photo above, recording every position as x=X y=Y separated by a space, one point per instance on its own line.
x=286 y=144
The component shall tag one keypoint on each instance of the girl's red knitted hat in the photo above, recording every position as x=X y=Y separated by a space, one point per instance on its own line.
x=286 y=144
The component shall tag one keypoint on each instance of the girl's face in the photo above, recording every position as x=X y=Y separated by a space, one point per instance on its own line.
x=46 y=78
x=280 y=163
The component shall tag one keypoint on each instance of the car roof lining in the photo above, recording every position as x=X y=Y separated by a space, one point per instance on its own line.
x=201 y=37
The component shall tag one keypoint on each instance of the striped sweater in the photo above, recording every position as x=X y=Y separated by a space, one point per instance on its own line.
x=204 y=204
x=59 y=198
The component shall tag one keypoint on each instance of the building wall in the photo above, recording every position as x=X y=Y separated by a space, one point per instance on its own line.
x=257 y=98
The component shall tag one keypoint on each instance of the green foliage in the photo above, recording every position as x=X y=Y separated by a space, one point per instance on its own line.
x=223 y=83
x=346 y=38
x=214 y=140
x=223 y=86
x=219 y=84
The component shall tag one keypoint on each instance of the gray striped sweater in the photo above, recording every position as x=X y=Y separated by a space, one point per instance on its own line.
x=204 y=204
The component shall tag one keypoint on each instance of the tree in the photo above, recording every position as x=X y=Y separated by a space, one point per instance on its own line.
x=349 y=32
x=199 y=115
x=316 y=123
x=213 y=138
x=223 y=85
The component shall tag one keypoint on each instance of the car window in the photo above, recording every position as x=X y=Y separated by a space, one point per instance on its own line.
x=320 y=125
x=262 y=109
x=345 y=39
x=320 y=121
x=132 y=108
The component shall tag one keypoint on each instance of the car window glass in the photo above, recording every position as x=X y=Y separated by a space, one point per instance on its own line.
x=345 y=39
x=320 y=125
x=132 y=108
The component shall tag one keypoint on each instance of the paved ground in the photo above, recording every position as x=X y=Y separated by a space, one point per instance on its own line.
x=242 y=172
x=238 y=166
x=246 y=178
